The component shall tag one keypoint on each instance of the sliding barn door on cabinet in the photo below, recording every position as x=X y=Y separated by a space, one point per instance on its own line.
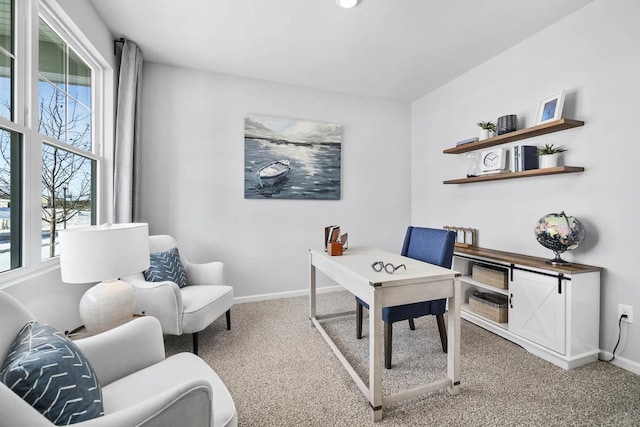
x=537 y=309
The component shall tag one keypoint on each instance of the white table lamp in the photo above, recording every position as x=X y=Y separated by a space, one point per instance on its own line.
x=104 y=253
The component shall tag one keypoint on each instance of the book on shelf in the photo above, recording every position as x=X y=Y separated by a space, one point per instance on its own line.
x=528 y=157
x=467 y=141
x=523 y=158
x=514 y=159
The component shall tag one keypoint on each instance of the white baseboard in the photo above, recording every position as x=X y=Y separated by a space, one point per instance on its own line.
x=288 y=294
x=621 y=362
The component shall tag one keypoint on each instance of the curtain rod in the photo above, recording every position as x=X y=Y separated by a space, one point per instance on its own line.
x=115 y=44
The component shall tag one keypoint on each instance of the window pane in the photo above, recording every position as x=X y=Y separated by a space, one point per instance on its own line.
x=10 y=203
x=51 y=111
x=64 y=92
x=79 y=126
x=6 y=59
x=52 y=56
x=67 y=194
x=6 y=25
x=6 y=87
x=79 y=80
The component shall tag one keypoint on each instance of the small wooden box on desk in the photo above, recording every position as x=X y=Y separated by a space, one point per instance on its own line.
x=334 y=249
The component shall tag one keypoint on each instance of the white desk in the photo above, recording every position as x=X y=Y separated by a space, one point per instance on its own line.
x=419 y=282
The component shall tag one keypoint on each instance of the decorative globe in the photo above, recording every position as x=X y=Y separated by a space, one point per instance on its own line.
x=560 y=233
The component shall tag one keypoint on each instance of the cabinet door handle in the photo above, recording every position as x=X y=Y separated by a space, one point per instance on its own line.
x=510 y=300
x=560 y=278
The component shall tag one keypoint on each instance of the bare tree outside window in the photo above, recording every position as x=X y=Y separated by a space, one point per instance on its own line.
x=5 y=200
x=61 y=138
x=66 y=177
x=65 y=116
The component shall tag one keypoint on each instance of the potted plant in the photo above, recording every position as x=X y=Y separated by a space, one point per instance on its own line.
x=488 y=129
x=549 y=155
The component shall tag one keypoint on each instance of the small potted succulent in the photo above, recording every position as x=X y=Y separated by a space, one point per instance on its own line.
x=549 y=156
x=488 y=129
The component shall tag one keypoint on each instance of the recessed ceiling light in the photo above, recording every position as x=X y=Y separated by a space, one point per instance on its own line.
x=347 y=4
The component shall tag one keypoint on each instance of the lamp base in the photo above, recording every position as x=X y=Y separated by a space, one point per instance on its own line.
x=107 y=305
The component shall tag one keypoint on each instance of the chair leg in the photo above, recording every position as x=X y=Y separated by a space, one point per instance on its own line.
x=195 y=343
x=412 y=325
x=358 y=320
x=228 y=313
x=443 y=331
x=388 y=338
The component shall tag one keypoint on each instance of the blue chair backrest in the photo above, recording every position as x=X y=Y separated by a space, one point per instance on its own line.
x=430 y=245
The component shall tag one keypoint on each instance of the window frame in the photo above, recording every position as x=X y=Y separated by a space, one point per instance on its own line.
x=25 y=121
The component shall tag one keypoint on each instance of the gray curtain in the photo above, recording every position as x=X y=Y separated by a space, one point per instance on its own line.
x=127 y=148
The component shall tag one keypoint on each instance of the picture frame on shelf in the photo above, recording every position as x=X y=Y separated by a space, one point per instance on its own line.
x=550 y=108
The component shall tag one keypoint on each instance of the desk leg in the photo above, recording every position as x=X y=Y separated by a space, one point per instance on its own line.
x=453 y=338
x=312 y=290
x=375 y=358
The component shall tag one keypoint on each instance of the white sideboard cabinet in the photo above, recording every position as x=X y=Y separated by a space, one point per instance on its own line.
x=553 y=311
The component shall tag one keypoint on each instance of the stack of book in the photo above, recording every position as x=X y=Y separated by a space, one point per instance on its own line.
x=524 y=158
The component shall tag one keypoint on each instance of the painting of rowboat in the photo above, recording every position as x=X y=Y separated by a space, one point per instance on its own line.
x=291 y=159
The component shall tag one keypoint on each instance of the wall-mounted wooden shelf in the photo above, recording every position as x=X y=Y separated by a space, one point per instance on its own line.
x=543 y=129
x=512 y=175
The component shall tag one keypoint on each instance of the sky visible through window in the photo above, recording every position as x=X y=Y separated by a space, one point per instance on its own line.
x=64 y=106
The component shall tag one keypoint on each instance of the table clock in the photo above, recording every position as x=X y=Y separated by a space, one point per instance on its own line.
x=493 y=160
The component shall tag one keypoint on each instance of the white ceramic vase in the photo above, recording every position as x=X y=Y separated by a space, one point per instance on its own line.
x=549 y=160
x=484 y=133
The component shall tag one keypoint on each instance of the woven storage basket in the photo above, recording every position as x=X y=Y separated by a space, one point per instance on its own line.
x=492 y=306
x=493 y=276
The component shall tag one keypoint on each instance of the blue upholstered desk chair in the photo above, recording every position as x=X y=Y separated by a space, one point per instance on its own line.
x=425 y=244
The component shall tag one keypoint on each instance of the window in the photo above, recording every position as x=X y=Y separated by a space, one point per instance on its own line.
x=52 y=138
x=65 y=115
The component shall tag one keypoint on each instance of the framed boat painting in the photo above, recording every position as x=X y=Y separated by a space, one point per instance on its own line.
x=291 y=159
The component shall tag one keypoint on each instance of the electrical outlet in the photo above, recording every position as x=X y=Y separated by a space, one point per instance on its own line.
x=625 y=309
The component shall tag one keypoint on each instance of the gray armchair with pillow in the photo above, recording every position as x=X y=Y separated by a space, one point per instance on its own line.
x=185 y=297
x=123 y=378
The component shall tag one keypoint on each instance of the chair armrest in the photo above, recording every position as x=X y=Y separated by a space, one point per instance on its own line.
x=190 y=400
x=210 y=273
x=121 y=351
x=162 y=300
x=17 y=412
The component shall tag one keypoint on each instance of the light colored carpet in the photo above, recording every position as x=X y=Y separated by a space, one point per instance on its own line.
x=281 y=372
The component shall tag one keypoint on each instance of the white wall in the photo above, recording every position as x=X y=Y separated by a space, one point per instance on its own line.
x=594 y=54
x=193 y=175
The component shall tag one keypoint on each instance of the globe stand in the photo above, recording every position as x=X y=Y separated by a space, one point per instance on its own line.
x=557 y=260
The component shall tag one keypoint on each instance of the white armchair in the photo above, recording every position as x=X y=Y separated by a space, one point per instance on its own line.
x=186 y=310
x=139 y=386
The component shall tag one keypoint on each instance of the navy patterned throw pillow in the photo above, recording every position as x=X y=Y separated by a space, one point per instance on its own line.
x=166 y=266
x=47 y=370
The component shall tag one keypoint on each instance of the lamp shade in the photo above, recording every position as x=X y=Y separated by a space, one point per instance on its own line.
x=103 y=252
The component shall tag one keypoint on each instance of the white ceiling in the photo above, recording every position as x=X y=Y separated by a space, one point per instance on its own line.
x=392 y=49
